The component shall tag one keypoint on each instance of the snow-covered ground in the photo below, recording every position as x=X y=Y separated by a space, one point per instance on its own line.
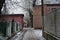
x=29 y=34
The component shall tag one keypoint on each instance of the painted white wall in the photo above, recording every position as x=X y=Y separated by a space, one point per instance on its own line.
x=15 y=27
x=8 y=33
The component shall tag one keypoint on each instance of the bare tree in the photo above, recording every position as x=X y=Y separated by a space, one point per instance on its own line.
x=26 y=5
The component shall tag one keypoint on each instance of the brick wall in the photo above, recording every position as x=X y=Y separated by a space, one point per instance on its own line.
x=37 y=17
x=7 y=18
x=48 y=9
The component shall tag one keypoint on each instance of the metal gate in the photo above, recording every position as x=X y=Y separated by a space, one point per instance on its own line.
x=3 y=26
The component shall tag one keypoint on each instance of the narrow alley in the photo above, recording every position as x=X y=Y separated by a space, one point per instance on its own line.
x=29 y=19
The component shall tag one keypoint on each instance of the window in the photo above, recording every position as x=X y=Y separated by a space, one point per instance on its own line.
x=17 y=27
x=53 y=9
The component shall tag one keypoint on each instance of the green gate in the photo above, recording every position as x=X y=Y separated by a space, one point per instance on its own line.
x=12 y=26
x=3 y=26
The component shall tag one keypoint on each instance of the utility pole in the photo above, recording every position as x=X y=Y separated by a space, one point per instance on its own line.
x=42 y=10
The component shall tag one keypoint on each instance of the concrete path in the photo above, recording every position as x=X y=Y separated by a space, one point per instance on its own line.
x=33 y=35
x=30 y=34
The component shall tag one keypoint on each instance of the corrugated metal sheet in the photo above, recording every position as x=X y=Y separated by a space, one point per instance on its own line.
x=52 y=22
x=49 y=23
x=58 y=23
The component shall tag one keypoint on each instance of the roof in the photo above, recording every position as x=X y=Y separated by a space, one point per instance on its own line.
x=12 y=15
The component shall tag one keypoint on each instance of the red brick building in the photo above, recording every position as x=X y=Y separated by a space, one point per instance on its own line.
x=37 y=17
x=16 y=17
x=11 y=23
x=37 y=13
